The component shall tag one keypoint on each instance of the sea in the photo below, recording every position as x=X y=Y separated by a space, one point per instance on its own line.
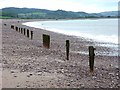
x=98 y=30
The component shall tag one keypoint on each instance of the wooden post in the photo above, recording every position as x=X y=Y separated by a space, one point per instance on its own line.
x=91 y=58
x=16 y=28
x=31 y=35
x=12 y=26
x=21 y=30
x=27 y=33
x=46 y=41
x=24 y=31
x=67 y=49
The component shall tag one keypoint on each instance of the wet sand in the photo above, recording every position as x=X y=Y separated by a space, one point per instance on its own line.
x=27 y=64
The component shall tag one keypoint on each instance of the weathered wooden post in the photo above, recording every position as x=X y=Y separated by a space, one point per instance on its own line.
x=46 y=41
x=91 y=58
x=67 y=49
x=24 y=31
x=16 y=28
x=12 y=26
x=31 y=35
x=27 y=33
x=19 y=29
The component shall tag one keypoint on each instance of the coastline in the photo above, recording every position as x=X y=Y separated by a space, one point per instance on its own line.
x=25 y=56
x=87 y=37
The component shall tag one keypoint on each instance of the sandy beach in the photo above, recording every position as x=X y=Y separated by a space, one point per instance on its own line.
x=27 y=64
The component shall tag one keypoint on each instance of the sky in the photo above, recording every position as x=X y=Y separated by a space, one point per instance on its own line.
x=89 y=6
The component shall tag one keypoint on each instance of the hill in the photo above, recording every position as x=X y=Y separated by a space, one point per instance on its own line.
x=110 y=13
x=32 y=13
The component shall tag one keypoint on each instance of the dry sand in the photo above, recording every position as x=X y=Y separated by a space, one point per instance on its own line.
x=26 y=64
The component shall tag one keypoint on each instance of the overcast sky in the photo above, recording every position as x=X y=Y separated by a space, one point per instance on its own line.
x=90 y=6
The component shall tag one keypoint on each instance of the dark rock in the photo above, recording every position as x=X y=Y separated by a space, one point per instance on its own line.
x=12 y=71
x=15 y=76
x=13 y=51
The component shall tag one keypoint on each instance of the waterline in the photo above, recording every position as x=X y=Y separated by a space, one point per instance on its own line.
x=101 y=30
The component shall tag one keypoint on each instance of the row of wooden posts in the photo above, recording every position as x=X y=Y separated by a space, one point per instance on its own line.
x=46 y=44
x=23 y=31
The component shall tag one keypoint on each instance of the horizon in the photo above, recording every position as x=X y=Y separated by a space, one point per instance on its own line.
x=93 y=6
x=58 y=9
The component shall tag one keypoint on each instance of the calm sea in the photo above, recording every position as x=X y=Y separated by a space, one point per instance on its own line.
x=103 y=30
x=99 y=30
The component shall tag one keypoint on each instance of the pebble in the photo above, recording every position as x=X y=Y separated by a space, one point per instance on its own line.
x=94 y=77
x=117 y=66
x=62 y=70
x=111 y=74
x=82 y=85
x=68 y=84
x=101 y=75
x=29 y=75
x=12 y=71
x=118 y=85
x=15 y=76
x=18 y=85
x=27 y=81
x=112 y=81
x=39 y=73
x=117 y=77
x=117 y=74
x=98 y=80
x=13 y=51
x=96 y=86
x=71 y=80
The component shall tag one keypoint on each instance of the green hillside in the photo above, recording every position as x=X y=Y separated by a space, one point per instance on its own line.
x=32 y=13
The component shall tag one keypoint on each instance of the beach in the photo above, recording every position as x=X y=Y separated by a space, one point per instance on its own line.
x=27 y=64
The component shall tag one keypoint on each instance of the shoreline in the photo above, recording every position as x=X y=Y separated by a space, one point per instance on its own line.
x=48 y=27
x=27 y=58
x=97 y=43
